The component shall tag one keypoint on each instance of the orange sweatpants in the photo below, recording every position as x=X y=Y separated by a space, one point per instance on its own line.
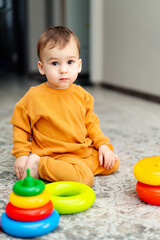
x=65 y=167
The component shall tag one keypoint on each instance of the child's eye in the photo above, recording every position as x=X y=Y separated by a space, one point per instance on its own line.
x=54 y=63
x=70 y=62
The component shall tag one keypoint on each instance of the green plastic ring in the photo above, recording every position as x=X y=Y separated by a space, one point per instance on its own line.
x=28 y=186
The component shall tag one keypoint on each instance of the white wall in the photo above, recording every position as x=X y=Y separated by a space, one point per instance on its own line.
x=132 y=44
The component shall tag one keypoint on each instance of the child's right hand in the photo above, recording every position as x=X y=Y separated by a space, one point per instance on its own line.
x=19 y=166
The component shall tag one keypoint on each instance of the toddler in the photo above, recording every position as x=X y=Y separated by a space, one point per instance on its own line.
x=56 y=133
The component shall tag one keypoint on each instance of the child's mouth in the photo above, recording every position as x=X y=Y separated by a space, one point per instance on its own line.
x=63 y=79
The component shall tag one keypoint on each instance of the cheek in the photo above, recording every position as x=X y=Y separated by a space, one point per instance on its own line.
x=74 y=73
x=75 y=70
x=51 y=73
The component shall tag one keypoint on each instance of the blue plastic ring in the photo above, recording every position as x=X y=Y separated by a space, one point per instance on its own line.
x=29 y=229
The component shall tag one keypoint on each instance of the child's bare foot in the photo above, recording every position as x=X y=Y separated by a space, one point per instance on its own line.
x=32 y=164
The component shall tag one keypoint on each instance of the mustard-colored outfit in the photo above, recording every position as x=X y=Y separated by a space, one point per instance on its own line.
x=61 y=127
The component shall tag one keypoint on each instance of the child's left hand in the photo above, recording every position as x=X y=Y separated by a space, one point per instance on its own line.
x=107 y=158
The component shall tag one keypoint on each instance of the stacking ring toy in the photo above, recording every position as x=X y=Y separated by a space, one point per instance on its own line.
x=28 y=186
x=70 y=197
x=29 y=229
x=148 y=193
x=147 y=170
x=30 y=202
x=29 y=215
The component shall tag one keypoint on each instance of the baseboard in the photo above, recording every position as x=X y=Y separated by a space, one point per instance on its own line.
x=135 y=93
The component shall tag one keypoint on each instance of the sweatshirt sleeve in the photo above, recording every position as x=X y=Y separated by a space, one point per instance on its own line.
x=21 y=131
x=92 y=124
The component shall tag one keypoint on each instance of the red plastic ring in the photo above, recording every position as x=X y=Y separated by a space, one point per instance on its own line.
x=29 y=215
x=148 y=193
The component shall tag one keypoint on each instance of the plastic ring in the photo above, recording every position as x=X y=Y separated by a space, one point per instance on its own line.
x=29 y=215
x=147 y=170
x=70 y=197
x=148 y=193
x=29 y=229
x=30 y=202
x=20 y=189
x=29 y=186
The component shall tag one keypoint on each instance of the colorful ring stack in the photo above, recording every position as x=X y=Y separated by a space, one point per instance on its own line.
x=30 y=212
x=147 y=172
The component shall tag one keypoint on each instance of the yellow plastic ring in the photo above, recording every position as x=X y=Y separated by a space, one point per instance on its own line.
x=147 y=170
x=70 y=197
x=30 y=202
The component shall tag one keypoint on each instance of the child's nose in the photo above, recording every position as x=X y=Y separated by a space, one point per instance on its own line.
x=63 y=69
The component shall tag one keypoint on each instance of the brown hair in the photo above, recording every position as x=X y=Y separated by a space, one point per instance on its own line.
x=56 y=36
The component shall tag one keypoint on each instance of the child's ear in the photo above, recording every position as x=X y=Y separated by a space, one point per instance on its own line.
x=80 y=65
x=40 y=67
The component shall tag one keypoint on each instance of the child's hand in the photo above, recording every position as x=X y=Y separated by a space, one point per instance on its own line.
x=107 y=158
x=32 y=164
x=19 y=166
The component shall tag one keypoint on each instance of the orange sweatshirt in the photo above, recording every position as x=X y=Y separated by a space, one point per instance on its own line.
x=47 y=121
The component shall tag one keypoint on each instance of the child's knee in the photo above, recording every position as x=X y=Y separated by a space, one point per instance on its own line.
x=60 y=170
x=82 y=173
x=89 y=181
x=85 y=177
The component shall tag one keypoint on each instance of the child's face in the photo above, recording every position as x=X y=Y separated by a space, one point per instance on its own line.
x=61 y=66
